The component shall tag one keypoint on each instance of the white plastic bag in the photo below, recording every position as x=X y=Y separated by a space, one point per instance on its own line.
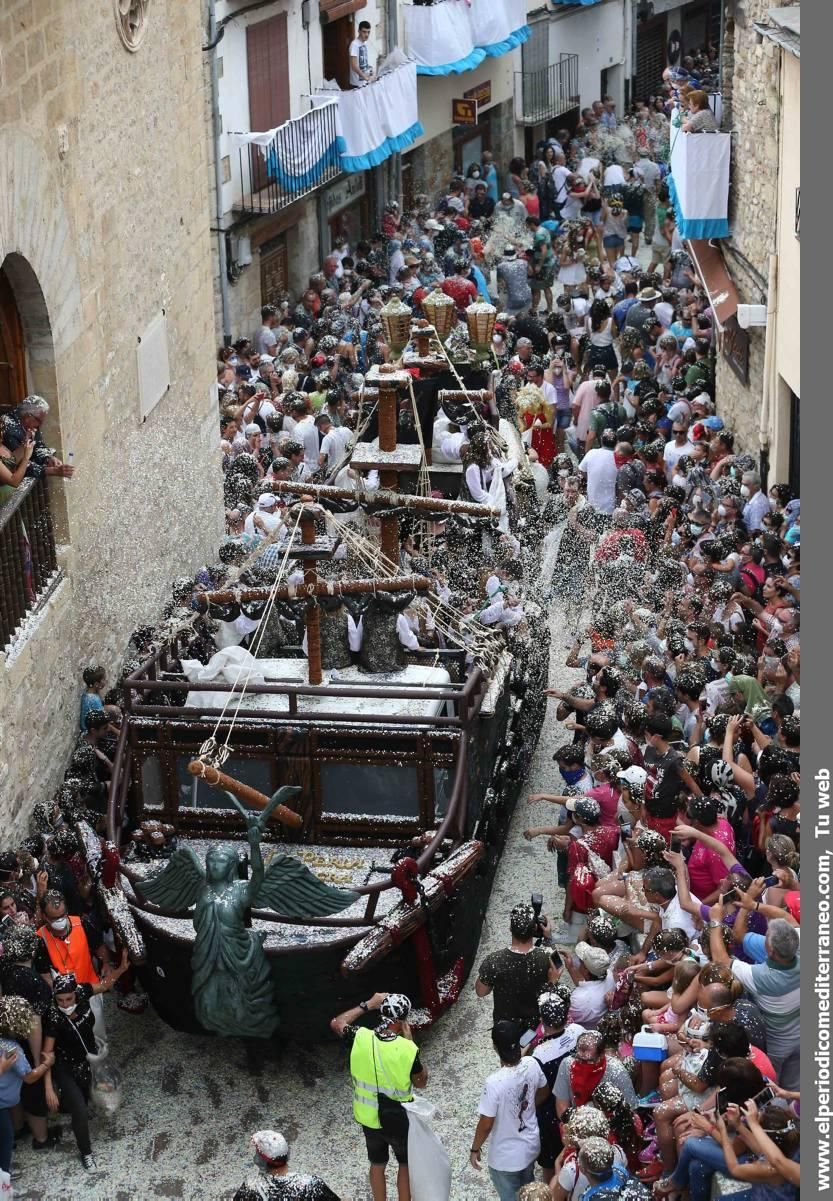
x=6 y=1190
x=429 y=1168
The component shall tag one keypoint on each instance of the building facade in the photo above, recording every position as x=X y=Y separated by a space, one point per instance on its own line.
x=268 y=61
x=758 y=380
x=105 y=310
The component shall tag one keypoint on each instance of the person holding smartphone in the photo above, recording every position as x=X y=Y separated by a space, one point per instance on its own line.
x=16 y=1019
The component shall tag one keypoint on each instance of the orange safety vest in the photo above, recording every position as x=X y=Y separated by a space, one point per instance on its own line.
x=71 y=954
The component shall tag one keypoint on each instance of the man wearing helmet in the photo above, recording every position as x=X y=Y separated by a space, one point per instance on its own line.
x=383 y=1062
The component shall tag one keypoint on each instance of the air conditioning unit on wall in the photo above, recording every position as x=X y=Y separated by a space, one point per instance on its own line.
x=751 y=315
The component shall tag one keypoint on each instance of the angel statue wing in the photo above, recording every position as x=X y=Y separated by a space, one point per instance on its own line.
x=291 y=889
x=179 y=884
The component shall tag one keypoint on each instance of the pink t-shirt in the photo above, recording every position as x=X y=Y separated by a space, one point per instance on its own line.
x=585 y=400
x=705 y=867
x=608 y=803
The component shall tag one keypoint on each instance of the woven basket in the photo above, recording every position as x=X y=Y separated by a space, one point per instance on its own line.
x=396 y=322
x=480 y=319
x=439 y=309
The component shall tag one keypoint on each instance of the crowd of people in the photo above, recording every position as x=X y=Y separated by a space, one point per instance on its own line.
x=646 y=1037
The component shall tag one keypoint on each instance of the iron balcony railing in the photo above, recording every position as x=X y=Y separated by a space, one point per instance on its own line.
x=301 y=156
x=543 y=95
x=28 y=564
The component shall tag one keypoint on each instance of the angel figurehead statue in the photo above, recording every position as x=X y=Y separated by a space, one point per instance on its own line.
x=231 y=981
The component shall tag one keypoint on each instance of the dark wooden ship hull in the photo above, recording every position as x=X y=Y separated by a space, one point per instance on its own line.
x=468 y=771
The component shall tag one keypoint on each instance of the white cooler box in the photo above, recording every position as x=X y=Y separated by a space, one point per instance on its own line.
x=649 y=1047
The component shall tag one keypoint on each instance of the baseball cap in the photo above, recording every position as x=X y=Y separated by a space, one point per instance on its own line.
x=595 y=959
x=713 y=423
x=584 y=807
x=271 y=1146
x=267 y=500
x=633 y=775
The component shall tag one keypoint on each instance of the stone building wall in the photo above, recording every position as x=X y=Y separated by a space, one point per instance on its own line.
x=104 y=212
x=751 y=112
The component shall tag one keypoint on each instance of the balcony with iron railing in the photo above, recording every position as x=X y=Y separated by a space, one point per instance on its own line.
x=299 y=157
x=549 y=93
x=29 y=569
x=347 y=132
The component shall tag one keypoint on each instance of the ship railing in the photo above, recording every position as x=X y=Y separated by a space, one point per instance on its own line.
x=467 y=699
x=154 y=674
x=451 y=828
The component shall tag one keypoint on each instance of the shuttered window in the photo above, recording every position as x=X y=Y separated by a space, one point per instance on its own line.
x=650 y=59
x=267 y=57
x=535 y=53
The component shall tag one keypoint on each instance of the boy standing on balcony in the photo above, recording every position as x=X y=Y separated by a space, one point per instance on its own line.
x=361 y=53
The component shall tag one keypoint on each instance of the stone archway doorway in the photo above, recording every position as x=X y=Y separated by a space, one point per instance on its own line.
x=12 y=348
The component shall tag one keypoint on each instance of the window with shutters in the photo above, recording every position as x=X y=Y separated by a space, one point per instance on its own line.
x=267 y=55
x=535 y=53
x=650 y=57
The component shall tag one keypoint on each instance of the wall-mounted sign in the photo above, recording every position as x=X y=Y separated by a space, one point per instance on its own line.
x=344 y=192
x=464 y=112
x=736 y=349
x=482 y=93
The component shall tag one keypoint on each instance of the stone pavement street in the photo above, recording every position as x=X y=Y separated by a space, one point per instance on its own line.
x=190 y=1104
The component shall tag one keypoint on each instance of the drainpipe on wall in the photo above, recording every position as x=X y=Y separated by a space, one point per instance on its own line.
x=218 y=173
x=768 y=389
x=392 y=35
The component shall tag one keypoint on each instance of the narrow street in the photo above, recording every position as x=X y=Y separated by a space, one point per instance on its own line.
x=191 y=1103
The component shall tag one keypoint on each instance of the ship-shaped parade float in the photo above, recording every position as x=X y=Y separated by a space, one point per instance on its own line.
x=320 y=816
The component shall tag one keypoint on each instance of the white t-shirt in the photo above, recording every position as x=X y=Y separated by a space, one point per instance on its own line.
x=365 y=55
x=265 y=340
x=647 y=171
x=664 y=313
x=587 y=1002
x=673 y=453
x=560 y=175
x=675 y=917
x=306 y=432
x=270 y=519
x=334 y=442
x=509 y=1097
x=614 y=175
x=599 y=465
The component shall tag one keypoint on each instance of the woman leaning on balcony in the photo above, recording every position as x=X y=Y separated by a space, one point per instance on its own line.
x=700 y=118
x=13 y=466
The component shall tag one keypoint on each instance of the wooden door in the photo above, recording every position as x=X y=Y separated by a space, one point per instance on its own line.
x=267 y=58
x=12 y=349
x=336 y=37
x=273 y=271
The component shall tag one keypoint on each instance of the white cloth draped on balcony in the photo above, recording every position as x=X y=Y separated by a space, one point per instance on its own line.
x=376 y=121
x=699 y=182
x=457 y=35
x=297 y=153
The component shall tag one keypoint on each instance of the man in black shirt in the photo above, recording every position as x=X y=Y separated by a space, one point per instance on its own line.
x=481 y=206
x=274 y=1181
x=667 y=765
x=518 y=974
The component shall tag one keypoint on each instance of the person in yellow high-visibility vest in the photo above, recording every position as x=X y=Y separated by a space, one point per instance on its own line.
x=385 y=1060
